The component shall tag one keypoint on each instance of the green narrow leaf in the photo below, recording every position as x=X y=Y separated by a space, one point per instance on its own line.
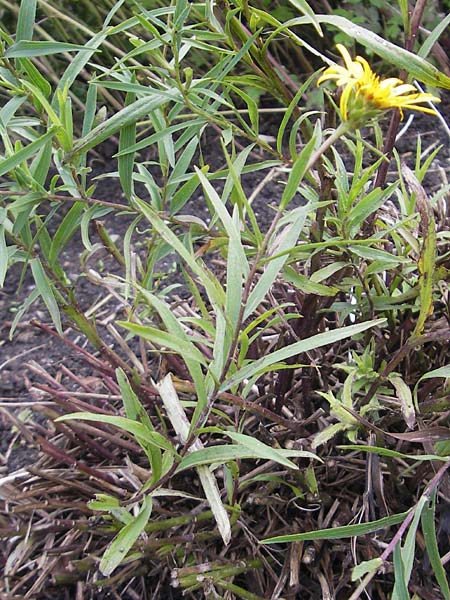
x=367 y=566
x=230 y=225
x=290 y=109
x=135 y=411
x=392 y=453
x=236 y=272
x=179 y=420
x=10 y=108
x=306 y=285
x=405 y=397
x=77 y=64
x=289 y=238
x=400 y=587
x=129 y=114
x=407 y=552
x=104 y=502
x=441 y=372
x=28 y=49
x=127 y=138
x=40 y=166
x=299 y=168
x=46 y=292
x=303 y=7
x=182 y=346
x=133 y=407
x=184 y=193
x=260 y=449
x=366 y=206
x=25 y=20
x=429 y=534
x=338 y=533
x=90 y=109
x=3 y=256
x=182 y=163
x=65 y=231
x=210 y=283
x=124 y=541
x=432 y=37
x=229 y=452
x=159 y=135
x=316 y=341
x=10 y=163
x=35 y=77
x=22 y=310
x=404 y=10
x=139 y=430
x=428 y=252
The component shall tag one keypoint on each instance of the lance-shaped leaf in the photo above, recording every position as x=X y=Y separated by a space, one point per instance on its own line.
x=179 y=420
x=316 y=341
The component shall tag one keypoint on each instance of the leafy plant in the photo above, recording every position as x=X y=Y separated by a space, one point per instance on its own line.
x=236 y=341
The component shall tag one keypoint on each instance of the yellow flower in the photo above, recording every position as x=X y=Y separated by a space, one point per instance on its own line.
x=364 y=93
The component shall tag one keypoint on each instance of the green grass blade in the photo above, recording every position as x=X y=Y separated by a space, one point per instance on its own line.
x=65 y=231
x=28 y=49
x=25 y=20
x=129 y=114
x=138 y=430
x=338 y=533
x=433 y=37
x=289 y=240
x=46 y=292
x=229 y=452
x=123 y=542
x=3 y=256
x=262 y=450
x=127 y=138
x=400 y=590
x=211 y=285
x=316 y=341
x=162 y=338
x=429 y=534
x=10 y=163
x=408 y=551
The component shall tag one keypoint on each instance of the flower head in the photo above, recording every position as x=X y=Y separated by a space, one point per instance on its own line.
x=364 y=94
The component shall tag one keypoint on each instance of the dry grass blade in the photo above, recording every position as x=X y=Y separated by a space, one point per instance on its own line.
x=180 y=423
